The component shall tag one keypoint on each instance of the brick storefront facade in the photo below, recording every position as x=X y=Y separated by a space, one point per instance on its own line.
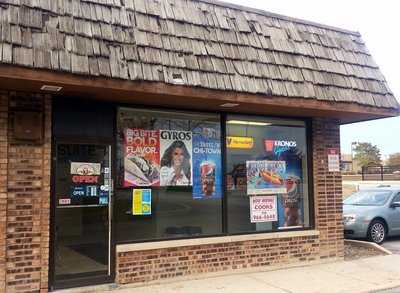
x=95 y=58
x=158 y=264
x=153 y=265
x=25 y=211
x=25 y=198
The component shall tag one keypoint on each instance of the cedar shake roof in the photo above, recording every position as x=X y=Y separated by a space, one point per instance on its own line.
x=205 y=43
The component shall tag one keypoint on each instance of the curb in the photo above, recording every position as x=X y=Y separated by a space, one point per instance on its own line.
x=384 y=288
x=369 y=245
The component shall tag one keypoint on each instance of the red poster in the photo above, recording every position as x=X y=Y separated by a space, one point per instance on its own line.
x=141 y=157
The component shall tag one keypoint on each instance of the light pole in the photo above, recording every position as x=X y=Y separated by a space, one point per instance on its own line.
x=353 y=145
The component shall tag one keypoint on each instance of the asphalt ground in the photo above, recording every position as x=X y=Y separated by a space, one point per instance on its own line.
x=392 y=244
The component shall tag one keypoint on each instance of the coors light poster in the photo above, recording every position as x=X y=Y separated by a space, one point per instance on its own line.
x=142 y=157
x=175 y=158
x=207 y=171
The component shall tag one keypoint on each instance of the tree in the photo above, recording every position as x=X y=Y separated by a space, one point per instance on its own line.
x=394 y=159
x=367 y=154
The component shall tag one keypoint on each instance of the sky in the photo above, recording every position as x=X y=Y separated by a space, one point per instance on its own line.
x=379 y=24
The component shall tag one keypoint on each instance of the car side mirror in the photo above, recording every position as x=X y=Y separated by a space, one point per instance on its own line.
x=395 y=204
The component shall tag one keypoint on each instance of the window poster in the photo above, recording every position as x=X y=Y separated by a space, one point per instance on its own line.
x=265 y=177
x=333 y=160
x=176 y=158
x=80 y=168
x=85 y=182
x=290 y=203
x=263 y=209
x=141 y=158
x=141 y=202
x=207 y=171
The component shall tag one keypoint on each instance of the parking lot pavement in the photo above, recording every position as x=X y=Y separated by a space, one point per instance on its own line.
x=392 y=244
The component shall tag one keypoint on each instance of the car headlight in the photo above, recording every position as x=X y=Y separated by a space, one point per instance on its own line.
x=349 y=219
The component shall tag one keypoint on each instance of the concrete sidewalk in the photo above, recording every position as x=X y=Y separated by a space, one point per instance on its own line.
x=365 y=275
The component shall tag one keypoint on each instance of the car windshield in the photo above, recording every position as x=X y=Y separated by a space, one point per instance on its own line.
x=368 y=198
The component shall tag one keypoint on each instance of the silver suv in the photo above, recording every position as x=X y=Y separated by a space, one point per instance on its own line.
x=372 y=213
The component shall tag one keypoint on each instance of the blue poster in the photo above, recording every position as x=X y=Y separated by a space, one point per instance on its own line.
x=207 y=171
x=290 y=204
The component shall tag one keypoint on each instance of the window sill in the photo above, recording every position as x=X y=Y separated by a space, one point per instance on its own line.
x=212 y=240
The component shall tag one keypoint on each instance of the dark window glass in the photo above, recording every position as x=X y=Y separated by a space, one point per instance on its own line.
x=266 y=176
x=168 y=175
x=83 y=119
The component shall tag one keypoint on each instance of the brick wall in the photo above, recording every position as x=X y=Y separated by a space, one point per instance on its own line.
x=3 y=186
x=327 y=189
x=25 y=198
x=159 y=264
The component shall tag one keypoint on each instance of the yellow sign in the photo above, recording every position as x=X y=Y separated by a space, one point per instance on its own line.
x=239 y=142
x=141 y=202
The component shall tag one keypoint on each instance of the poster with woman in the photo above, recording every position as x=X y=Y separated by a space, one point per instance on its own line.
x=141 y=158
x=176 y=158
x=207 y=171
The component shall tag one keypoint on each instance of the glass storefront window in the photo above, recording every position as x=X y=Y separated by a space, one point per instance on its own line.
x=169 y=175
x=267 y=183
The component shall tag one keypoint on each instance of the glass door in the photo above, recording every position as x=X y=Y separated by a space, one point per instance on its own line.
x=82 y=192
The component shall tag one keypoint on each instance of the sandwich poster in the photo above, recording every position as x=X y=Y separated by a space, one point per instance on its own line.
x=141 y=158
x=176 y=158
x=265 y=177
x=207 y=171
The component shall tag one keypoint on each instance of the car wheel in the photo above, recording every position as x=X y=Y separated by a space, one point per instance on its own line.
x=377 y=231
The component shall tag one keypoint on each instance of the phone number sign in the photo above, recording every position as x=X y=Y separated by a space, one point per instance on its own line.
x=263 y=209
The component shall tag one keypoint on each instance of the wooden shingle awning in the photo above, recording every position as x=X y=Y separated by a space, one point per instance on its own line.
x=207 y=45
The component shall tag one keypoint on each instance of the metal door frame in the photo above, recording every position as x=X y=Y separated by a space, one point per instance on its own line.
x=83 y=281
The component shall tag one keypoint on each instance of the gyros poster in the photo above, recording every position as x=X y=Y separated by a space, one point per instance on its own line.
x=265 y=177
x=157 y=158
x=176 y=158
x=142 y=158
